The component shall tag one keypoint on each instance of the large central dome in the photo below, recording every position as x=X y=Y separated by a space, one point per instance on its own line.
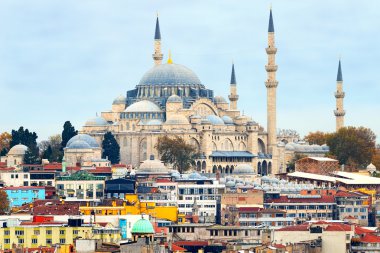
x=170 y=74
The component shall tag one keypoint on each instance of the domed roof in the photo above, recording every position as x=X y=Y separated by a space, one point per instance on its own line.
x=142 y=226
x=84 y=137
x=205 y=121
x=177 y=119
x=325 y=147
x=152 y=166
x=195 y=175
x=18 y=149
x=227 y=120
x=170 y=74
x=79 y=144
x=243 y=169
x=215 y=120
x=97 y=121
x=219 y=100
x=154 y=122
x=174 y=99
x=120 y=100
x=143 y=106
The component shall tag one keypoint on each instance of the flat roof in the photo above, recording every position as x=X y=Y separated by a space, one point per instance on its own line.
x=347 y=178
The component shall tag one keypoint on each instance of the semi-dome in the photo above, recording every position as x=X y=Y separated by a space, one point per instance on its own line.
x=84 y=137
x=177 y=119
x=120 y=100
x=220 y=100
x=174 y=99
x=152 y=166
x=143 y=106
x=18 y=149
x=215 y=120
x=227 y=120
x=97 y=121
x=142 y=226
x=170 y=74
x=243 y=169
x=79 y=144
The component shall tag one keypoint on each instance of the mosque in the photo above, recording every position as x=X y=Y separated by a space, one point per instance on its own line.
x=170 y=100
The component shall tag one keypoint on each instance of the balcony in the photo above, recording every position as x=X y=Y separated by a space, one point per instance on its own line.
x=271 y=68
x=271 y=50
x=339 y=112
x=339 y=94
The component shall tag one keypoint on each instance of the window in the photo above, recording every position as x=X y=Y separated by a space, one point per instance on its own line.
x=25 y=176
x=34 y=241
x=7 y=241
x=48 y=241
x=36 y=232
x=75 y=232
x=61 y=232
x=19 y=232
x=21 y=241
x=347 y=237
x=6 y=232
x=48 y=232
x=62 y=241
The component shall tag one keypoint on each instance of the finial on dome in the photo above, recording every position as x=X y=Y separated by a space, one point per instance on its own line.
x=170 y=60
x=157 y=33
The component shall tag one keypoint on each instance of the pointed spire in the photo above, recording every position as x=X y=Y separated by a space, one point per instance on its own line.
x=271 y=26
x=339 y=77
x=170 y=60
x=157 y=34
x=233 y=78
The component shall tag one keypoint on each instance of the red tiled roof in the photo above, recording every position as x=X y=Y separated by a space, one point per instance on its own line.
x=349 y=194
x=119 y=165
x=285 y=199
x=279 y=246
x=73 y=168
x=8 y=169
x=175 y=247
x=53 y=166
x=369 y=238
x=163 y=180
x=57 y=209
x=192 y=243
x=360 y=231
x=100 y=170
x=259 y=210
x=3 y=164
x=302 y=227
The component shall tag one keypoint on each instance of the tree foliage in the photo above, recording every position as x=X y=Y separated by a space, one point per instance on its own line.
x=4 y=202
x=177 y=152
x=67 y=133
x=5 y=141
x=376 y=158
x=352 y=146
x=54 y=154
x=29 y=139
x=111 y=148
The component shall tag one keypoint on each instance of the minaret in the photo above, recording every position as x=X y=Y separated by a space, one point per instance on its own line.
x=157 y=56
x=233 y=97
x=271 y=84
x=339 y=95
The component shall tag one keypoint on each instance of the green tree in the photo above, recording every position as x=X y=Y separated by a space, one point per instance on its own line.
x=353 y=146
x=29 y=139
x=177 y=152
x=47 y=154
x=4 y=202
x=111 y=148
x=54 y=142
x=67 y=133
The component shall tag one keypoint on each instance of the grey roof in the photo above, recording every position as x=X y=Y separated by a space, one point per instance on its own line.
x=174 y=99
x=233 y=77
x=339 y=77
x=84 y=137
x=227 y=120
x=79 y=144
x=232 y=154
x=271 y=26
x=18 y=149
x=215 y=120
x=170 y=74
x=157 y=34
x=143 y=106
x=120 y=100
x=97 y=121
x=243 y=169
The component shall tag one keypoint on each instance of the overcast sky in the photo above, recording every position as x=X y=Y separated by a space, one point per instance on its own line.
x=68 y=60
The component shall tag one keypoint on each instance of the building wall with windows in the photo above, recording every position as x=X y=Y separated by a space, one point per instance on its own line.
x=24 y=194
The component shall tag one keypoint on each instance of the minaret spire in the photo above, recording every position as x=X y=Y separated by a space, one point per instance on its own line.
x=339 y=95
x=233 y=97
x=157 y=56
x=271 y=85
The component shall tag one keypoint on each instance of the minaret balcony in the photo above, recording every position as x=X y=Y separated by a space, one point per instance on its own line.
x=233 y=97
x=157 y=56
x=271 y=50
x=271 y=68
x=271 y=84
x=339 y=94
x=339 y=113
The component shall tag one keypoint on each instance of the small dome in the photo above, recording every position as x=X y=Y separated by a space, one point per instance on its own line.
x=195 y=175
x=97 y=121
x=143 y=106
x=371 y=167
x=18 y=149
x=79 y=144
x=325 y=147
x=152 y=166
x=84 y=137
x=290 y=146
x=220 y=100
x=177 y=119
x=238 y=185
x=243 y=169
x=280 y=144
x=120 y=100
x=142 y=226
x=265 y=179
x=170 y=74
x=174 y=99
x=215 y=120
x=227 y=120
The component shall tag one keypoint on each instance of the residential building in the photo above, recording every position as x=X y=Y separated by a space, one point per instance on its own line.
x=24 y=194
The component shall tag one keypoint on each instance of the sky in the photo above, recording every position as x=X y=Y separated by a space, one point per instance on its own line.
x=68 y=60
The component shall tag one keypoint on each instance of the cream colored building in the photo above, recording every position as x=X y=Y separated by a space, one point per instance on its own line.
x=170 y=100
x=15 y=156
